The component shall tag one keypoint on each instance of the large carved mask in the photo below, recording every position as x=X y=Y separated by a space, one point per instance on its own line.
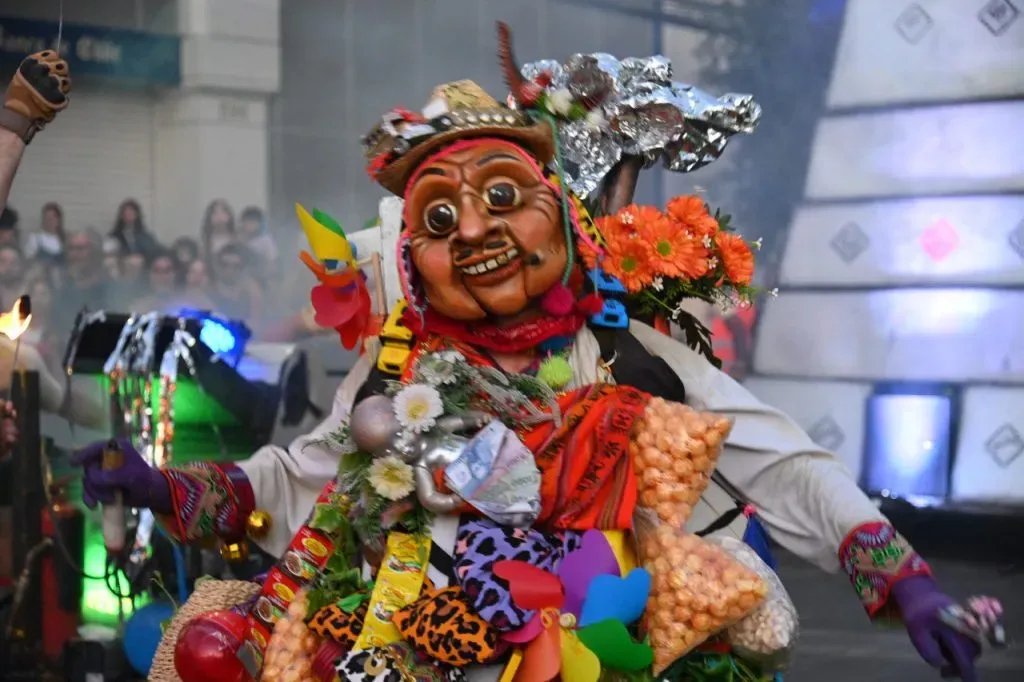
x=484 y=230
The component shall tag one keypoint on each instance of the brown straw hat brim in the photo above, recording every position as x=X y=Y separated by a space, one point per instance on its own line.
x=538 y=139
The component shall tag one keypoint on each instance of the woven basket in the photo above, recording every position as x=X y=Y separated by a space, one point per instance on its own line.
x=209 y=595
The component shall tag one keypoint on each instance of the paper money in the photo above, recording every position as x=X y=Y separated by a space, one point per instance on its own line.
x=497 y=474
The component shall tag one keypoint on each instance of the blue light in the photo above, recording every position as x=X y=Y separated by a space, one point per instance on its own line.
x=217 y=337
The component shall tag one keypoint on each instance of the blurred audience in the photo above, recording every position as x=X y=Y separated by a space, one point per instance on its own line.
x=130 y=231
x=12 y=275
x=254 y=235
x=185 y=250
x=66 y=271
x=163 y=284
x=46 y=244
x=218 y=228
x=9 y=233
x=234 y=291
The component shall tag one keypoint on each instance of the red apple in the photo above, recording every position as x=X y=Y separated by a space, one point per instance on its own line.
x=207 y=648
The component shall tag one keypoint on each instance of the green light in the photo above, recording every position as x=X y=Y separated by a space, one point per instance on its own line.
x=99 y=604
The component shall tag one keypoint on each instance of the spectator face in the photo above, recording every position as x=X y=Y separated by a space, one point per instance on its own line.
x=186 y=253
x=11 y=269
x=197 y=277
x=112 y=264
x=51 y=221
x=250 y=227
x=9 y=236
x=42 y=298
x=81 y=255
x=133 y=265
x=128 y=214
x=162 y=276
x=220 y=218
x=229 y=267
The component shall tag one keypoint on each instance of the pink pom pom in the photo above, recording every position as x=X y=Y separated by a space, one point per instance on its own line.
x=558 y=301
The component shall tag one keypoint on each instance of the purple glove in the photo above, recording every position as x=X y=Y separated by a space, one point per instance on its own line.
x=920 y=600
x=141 y=486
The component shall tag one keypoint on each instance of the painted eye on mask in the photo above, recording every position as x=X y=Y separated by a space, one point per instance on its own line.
x=502 y=196
x=440 y=218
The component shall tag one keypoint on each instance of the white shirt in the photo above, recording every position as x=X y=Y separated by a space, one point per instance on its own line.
x=805 y=496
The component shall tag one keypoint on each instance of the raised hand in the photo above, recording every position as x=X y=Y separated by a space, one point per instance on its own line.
x=141 y=486
x=40 y=88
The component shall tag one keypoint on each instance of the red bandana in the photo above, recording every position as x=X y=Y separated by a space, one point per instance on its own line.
x=510 y=339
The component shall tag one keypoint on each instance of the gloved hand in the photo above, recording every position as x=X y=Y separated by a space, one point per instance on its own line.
x=920 y=600
x=141 y=486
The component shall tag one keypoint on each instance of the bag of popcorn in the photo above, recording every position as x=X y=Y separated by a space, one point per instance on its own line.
x=697 y=589
x=291 y=649
x=675 y=449
x=768 y=635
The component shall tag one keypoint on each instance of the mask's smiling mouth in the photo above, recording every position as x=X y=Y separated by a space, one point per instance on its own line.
x=488 y=270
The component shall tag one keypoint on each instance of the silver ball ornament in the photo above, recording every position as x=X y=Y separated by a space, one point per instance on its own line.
x=373 y=425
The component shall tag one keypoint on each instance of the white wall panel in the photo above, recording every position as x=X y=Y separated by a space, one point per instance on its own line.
x=831 y=412
x=978 y=240
x=962 y=149
x=914 y=334
x=990 y=456
x=893 y=52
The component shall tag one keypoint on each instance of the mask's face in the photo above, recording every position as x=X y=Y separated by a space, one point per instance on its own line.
x=485 y=231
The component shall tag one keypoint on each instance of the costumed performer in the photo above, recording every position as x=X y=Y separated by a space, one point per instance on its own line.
x=492 y=265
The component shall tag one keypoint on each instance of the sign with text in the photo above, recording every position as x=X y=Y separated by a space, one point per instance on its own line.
x=117 y=54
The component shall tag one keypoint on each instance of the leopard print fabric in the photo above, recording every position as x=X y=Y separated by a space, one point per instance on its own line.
x=442 y=625
x=334 y=623
x=394 y=663
x=480 y=543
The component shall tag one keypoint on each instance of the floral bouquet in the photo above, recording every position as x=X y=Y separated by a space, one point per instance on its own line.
x=664 y=258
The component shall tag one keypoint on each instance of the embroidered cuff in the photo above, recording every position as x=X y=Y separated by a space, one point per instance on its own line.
x=209 y=500
x=876 y=557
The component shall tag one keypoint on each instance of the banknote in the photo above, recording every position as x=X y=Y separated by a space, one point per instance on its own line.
x=497 y=474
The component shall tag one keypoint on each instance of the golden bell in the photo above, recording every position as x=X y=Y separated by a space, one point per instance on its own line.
x=234 y=552
x=258 y=525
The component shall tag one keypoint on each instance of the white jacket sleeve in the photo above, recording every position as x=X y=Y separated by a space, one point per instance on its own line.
x=286 y=481
x=805 y=496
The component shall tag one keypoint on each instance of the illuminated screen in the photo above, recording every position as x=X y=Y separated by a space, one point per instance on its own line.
x=907 y=451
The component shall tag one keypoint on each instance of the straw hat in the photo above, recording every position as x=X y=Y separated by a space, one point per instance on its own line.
x=456 y=111
x=209 y=595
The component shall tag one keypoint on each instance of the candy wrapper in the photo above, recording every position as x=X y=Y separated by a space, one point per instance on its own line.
x=675 y=450
x=289 y=656
x=766 y=637
x=497 y=474
x=299 y=566
x=697 y=590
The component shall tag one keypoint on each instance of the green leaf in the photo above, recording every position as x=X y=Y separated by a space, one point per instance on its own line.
x=352 y=602
x=327 y=518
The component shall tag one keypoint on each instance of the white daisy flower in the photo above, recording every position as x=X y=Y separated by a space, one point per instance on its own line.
x=658 y=284
x=774 y=293
x=391 y=478
x=560 y=102
x=706 y=241
x=418 y=406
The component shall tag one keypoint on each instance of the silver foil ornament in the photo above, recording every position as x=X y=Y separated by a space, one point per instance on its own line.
x=638 y=110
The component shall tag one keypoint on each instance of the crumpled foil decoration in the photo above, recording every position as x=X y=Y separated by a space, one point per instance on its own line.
x=641 y=112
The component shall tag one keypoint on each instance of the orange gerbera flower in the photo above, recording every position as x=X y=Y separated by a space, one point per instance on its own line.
x=693 y=213
x=629 y=260
x=637 y=216
x=673 y=253
x=737 y=258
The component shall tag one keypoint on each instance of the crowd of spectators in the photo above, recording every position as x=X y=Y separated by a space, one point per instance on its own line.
x=228 y=268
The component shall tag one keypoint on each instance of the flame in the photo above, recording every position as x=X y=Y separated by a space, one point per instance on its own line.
x=15 y=322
